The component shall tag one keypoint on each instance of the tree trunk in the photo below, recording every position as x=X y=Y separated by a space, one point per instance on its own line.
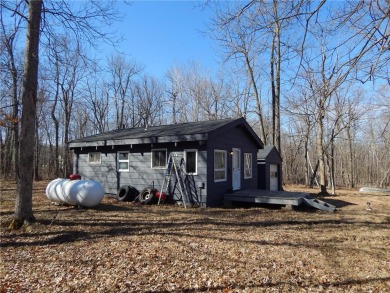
x=258 y=99
x=320 y=154
x=351 y=159
x=56 y=122
x=307 y=170
x=306 y=144
x=314 y=175
x=37 y=176
x=15 y=114
x=332 y=167
x=275 y=80
x=6 y=153
x=56 y=147
x=174 y=98
x=23 y=205
x=66 y=139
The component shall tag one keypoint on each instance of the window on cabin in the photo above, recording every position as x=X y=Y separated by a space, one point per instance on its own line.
x=247 y=165
x=123 y=161
x=191 y=161
x=219 y=165
x=94 y=158
x=159 y=158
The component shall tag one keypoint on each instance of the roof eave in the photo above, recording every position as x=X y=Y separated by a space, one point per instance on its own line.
x=145 y=140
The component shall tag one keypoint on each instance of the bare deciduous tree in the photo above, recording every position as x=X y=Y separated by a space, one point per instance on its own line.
x=11 y=71
x=148 y=94
x=121 y=74
x=86 y=24
x=23 y=204
x=98 y=100
x=239 y=42
x=251 y=29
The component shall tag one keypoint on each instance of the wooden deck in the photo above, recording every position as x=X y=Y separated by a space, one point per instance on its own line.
x=276 y=197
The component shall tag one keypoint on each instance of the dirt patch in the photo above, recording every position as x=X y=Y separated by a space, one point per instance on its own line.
x=122 y=247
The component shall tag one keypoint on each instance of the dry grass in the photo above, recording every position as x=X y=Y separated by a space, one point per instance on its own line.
x=122 y=247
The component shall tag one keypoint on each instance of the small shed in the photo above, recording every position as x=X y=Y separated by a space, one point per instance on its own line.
x=219 y=156
x=269 y=169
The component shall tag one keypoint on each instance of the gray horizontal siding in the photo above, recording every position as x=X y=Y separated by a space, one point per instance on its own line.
x=140 y=174
x=105 y=172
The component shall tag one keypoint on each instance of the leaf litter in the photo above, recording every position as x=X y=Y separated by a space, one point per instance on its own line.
x=122 y=247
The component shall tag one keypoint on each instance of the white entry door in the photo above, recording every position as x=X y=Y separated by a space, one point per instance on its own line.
x=273 y=180
x=236 y=164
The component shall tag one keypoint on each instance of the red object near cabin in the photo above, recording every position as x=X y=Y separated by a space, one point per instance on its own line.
x=163 y=195
x=74 y=177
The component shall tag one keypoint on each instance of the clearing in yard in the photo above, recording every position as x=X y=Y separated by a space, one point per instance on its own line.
x=124 y=247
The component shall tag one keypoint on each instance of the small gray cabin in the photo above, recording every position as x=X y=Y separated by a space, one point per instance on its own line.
x=218 y=156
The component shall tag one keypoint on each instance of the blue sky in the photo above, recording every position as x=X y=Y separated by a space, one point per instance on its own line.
x=160 y=34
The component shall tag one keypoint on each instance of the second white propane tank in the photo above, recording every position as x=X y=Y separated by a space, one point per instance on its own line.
x=87 y=193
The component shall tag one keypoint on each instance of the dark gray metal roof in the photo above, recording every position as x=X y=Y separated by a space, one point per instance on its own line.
x=262 y=154
x=193 y=131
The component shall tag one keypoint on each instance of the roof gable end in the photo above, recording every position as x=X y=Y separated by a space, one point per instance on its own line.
x=267 y=151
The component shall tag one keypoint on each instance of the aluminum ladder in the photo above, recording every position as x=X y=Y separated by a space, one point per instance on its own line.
x=173 y=166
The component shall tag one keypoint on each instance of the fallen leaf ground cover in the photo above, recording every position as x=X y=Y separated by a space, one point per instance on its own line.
x=124 y=247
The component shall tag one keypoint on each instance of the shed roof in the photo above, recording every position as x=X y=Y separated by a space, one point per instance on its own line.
x=267 y=151
x=192 y=131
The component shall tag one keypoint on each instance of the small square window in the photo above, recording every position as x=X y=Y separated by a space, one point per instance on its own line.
x=159 y=159
x=94 y=158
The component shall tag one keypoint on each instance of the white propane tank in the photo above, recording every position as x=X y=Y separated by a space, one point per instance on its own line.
x=87 y=193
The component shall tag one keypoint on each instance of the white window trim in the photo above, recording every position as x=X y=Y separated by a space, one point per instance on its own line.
x=122 y=161
x=196 y=160
x=224 y=169
x=95 y=163
x=151 y=159
x=251 y=165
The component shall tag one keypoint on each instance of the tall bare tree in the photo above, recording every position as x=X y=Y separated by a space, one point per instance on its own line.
x=86 y=24
x=275 y=77
x=98 y=100
x=175 y=89
x=10 y=68
x=249 y=30
x=301 y=112
x=23 y=204
x=55 y=61
x=149 y=95
x=239 y=42
x=121 y=73
x=67 y=69
x=193 y=95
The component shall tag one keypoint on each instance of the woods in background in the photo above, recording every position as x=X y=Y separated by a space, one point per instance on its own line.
x=311 y=79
